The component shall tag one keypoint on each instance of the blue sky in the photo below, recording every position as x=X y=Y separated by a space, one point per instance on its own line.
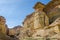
x=15 y=11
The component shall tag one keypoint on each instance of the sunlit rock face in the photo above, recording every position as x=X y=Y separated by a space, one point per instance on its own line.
x=4 y=30
x=43 y=22
x=3 y=27
x=36 y=20
x=2 y=20
x=16 y=32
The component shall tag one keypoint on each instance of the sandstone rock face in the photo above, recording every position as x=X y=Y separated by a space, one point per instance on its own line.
x=16 y=32
x=3 y=27
x=43 y=22
x=4 y=31
x=57 y=21
x=39 y=34
x=40 y=20
x=5 y=37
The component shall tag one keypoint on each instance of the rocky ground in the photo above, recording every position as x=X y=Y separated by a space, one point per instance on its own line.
x=6 y=37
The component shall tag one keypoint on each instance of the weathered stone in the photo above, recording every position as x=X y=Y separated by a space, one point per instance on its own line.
x=3 y=27
x=39 y=6
x=5 y=37
x=44 y=22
